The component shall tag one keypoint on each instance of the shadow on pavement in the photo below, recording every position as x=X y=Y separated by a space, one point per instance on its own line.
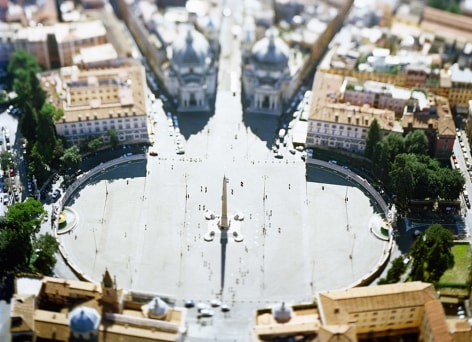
x=191 y=123
x=317 y=174
x=262 y=125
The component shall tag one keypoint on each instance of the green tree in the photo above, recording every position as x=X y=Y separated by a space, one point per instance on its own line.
x=403 y=176
x=71 y=157
x=431 y=253
x=15 y=247
x=452 y=183
x=113 y=137
x=6 y=160
x=373 y=137
x=21 y=60
x=395 y=272
x=44 y=249
x=28 y=123
x=381 y=156
x=395 y=145
x=46 y=133
x=416 y=142
x=37 y=166
x=28 y=213
x=94 y=144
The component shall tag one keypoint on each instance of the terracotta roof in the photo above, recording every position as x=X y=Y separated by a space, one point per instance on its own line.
x=434 y=313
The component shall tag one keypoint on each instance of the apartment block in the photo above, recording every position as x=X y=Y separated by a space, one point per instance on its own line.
x=56 y=45
x=403 y=311
x=67 y=310
x=98 y=100
x=343 y=108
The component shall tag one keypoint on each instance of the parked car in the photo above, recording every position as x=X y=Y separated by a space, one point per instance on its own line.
x=56 y=194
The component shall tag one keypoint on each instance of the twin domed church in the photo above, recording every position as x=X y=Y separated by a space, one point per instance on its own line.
x=191 y=74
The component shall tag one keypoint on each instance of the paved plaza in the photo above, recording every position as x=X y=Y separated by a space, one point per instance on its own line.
x=145 y=221
x=304 y=229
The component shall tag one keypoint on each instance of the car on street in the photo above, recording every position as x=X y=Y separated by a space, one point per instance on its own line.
x=278 y=156
x=215 y=303
x=129 y=154
x=56 y=194
x=153 y=153
x=189 y=304
x=206 y=313
x=282 y=132
x=5 y=199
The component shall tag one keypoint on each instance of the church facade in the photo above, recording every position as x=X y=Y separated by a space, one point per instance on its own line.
x=266 y=75
x=191 y=74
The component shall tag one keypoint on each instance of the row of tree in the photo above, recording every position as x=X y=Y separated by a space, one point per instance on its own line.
x=431 y=255
x=37 y=121
x=413 y=174
x=21 y=249
x=45 y=149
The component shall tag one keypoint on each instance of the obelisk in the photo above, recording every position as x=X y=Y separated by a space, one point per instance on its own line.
x=224 y=223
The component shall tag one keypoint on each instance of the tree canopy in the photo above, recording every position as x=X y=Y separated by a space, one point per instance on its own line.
x=373 y=137
x=432 y=254
x=421 y=177
x=21 y=249
x=37 y=121
x=71 y=157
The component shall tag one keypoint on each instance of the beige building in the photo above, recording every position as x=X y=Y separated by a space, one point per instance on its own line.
x=97 y=100
x=342 y=110
x=332 y=123
x=66 y=310
x=410 y=310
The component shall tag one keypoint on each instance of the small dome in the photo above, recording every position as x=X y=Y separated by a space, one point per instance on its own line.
x=190 y=48
x=84 y=320
x=271 y=51
x=282 y=314
x=157 y=308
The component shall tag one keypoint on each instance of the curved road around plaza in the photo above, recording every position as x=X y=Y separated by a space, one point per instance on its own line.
x=305 y=228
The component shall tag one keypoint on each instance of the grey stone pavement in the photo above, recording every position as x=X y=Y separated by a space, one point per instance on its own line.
x=145 y=221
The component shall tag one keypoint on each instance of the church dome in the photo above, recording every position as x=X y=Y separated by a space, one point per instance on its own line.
x=282 y=314
x=271 y=51
x=190 y=48
x=157 y=308
x=84 y=320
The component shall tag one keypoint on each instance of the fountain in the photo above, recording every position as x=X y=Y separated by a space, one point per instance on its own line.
x=67 y=220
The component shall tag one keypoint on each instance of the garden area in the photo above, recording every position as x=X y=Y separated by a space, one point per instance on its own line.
x=455 y=281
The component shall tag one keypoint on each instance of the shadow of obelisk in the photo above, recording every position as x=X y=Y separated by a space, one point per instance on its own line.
x=223 y=224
